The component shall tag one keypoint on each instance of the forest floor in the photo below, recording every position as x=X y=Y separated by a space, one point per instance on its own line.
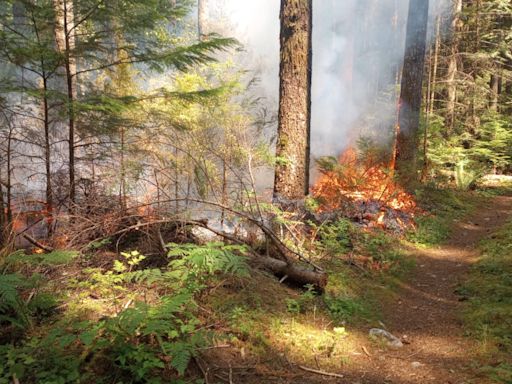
x=425 y=312
x=442 y=288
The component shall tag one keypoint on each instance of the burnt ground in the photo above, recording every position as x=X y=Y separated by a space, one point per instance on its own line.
x=426 y=314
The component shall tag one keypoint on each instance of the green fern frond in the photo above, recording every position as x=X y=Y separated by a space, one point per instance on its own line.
x=181 y=354
x=210 y=258
x=11 y=303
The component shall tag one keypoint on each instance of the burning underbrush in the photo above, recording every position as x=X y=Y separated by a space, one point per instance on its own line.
x=363 y=190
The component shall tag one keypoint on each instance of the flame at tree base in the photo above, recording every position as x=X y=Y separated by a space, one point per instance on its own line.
x=364 y=182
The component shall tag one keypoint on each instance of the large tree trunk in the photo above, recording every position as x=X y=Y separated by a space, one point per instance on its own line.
x=451 y=84
x=293 y=141
x=64 y=36
x=411 y=89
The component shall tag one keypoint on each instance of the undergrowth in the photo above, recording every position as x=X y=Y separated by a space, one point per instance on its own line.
x=489 y=311
x=149 y=339
x=66 y=319
x=441 y=209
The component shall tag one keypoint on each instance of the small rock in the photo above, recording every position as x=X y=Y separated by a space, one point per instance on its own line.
x=416 y=364
x=391 y=340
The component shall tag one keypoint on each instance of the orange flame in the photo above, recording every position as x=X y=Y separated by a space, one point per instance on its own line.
x=355 y=180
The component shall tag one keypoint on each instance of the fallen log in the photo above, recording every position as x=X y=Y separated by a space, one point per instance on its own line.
x=293 y=272
x=286 y=269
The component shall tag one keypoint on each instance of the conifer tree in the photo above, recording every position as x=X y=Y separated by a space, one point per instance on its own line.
x=411 y=89
x=293 y=141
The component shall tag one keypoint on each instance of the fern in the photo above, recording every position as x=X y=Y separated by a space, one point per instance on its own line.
x=146 y=276
x=12 y=308
x=464 y=178
x=181 y=354
x=208 y=259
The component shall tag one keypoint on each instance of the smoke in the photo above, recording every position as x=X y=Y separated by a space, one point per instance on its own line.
x=358 y=49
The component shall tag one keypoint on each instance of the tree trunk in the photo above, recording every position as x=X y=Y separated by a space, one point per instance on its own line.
x=202 y=18
x=123 y=201
x=9 y=213
x=508 y=92
x=293 y=136
x=64 y=35
x=451 y=84
x=411 y=89
x=3 y=220
x=431 y=97
x=435 y=68
x=44 y=88
x=494 y=85
x=47 y=160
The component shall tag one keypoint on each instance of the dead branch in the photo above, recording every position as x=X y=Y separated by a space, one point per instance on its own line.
x=318 y=372
x=36 y=243
x=284 y=251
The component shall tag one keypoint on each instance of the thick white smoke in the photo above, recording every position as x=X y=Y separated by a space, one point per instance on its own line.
x=358 y=48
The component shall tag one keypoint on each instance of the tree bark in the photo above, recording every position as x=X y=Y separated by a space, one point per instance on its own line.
x=451 y=84
x=293 y=136
x=411 y=90
x=295 y=273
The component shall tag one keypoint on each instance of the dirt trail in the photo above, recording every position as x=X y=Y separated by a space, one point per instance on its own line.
x=427 y=313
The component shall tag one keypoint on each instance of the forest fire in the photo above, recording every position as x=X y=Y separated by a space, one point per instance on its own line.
x=365 y=190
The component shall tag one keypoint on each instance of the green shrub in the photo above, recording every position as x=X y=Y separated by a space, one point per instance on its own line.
x=304 y=301
x=344 y=308
x=335 y=238
x=140 y=343
x=464 y=177
x=430 y=231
